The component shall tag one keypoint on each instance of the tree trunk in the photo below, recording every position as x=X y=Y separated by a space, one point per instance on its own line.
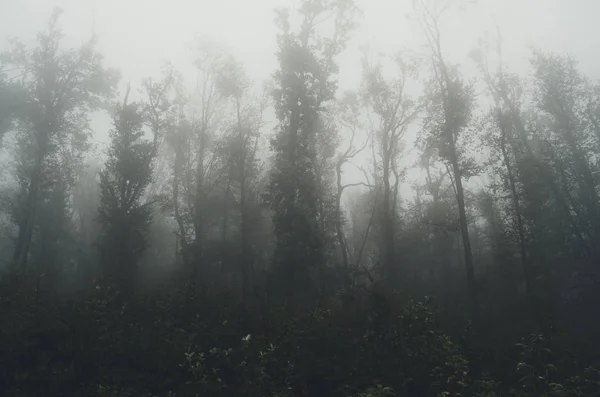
x=434 y=190
x=27 y=223
x=338 y=222
x=525 y=266
x=547 y=175
x=245 y=251
x=388 y=219
x=198 y=202
x=464 y=228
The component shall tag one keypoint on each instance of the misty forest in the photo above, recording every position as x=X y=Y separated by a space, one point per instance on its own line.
x=426 y=233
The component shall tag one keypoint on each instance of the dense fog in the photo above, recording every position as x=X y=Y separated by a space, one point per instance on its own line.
x=298 y=198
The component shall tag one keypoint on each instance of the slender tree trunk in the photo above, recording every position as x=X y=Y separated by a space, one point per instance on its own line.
x=447 y=85
x=388 y=218
x=525 y=266
x=548 y=177
x=338 y=221
x=27 y=223
x=584 y=178
x=464 y=229
x=244 y=242
x=198 y=204
x=434 y=190
x=178 y=218
x=245 y=251
x=225 y=224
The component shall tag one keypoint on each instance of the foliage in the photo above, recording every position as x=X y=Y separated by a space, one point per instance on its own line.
x=187 y=264
x=209 y=344
x=124 y=218
x=296 y=193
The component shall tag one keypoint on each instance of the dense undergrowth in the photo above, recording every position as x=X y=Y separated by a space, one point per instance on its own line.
x=204 y=342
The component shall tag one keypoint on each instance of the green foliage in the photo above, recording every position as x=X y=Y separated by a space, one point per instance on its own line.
x=124 y=218
x=305 y=84
x=209 y=345
x=538 y=376
x=377 y=391
x=192 y=338
x=206 y=343
x=55 y=91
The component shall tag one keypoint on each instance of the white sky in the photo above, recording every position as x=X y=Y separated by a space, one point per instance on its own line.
x=136 y=35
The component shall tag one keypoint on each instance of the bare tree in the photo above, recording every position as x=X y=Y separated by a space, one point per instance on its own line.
x=395 y=112
x=348 y=119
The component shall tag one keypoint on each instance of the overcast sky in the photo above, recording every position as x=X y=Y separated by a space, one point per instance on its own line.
x=137 y=35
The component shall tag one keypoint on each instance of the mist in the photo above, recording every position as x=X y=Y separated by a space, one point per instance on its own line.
x=301 y=197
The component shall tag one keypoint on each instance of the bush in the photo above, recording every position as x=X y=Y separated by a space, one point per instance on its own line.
x=185 y=342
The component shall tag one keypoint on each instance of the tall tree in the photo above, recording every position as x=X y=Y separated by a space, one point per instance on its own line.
x=62 y=87
x=395 y=112
x=85 y=201
x=506 y=156
x=305 y=83
x=449 y=113
x=562 y=96
x=160 y=102
x=349 y=120
x=124 y=218
x=242 y=144
x=538 y=170
x=204 y=167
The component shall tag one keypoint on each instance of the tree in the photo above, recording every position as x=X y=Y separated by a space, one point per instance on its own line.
x=544 y=164
x=158 y=109
x=210 y=63
x=190 y=134
x=562 y=96
x=449 y=113
x=61 y=87
x=395 y=112
x=439 y=216
x=125 y=220
x=348 y=120
x=241 y=152
x=304 y=85
x=503 y=141
x=85 y=201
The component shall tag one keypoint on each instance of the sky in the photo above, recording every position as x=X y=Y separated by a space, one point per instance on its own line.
x=136 y=36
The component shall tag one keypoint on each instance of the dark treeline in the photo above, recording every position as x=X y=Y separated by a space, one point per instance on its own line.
x=204 y=252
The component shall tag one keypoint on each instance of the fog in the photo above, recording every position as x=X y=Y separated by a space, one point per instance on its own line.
x=138 y=36
x=299 y=197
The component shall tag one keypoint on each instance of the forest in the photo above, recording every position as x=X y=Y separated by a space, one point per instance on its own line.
x=216 y=246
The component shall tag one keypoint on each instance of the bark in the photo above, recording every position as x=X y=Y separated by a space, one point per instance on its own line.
x=388 y=218
x=450 y=135
x=178 y=218
x=445 y=84
x=464 y=229
x=434 y=190
x=245 y=251
x=500 y=95
x=525 y=265
x=27 y=223
x=338 y=216
x=546 y=174
x=198 y=205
